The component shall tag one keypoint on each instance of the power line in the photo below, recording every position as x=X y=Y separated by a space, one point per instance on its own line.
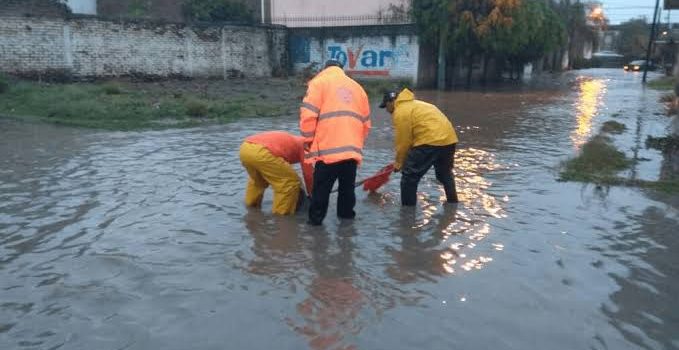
x=626 y=7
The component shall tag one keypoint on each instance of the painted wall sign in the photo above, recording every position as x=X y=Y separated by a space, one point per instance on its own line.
x=368 y=56
x=363 y=61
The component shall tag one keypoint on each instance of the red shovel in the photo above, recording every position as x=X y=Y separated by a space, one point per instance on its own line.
x=376 y=181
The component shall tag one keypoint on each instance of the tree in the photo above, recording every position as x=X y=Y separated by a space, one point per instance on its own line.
x=429 y=16
x=538 y=31
x=634 y=37
x=218 y=11
x=433 y=19
x=519 y=31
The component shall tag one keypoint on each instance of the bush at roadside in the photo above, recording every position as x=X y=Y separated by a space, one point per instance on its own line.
x=4 y=84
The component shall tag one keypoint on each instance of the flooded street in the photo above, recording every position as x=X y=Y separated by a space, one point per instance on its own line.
x=140 y=240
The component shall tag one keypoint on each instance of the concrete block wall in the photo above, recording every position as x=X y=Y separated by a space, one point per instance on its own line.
x=31 y=44
x=88 y=47
x=378 y=52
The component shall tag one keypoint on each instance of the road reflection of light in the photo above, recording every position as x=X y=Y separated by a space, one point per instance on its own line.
x=428 y=210
x=471 y=225
x=587 y=106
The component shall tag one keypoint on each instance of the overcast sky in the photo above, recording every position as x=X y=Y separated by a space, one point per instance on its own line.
x=622 y=10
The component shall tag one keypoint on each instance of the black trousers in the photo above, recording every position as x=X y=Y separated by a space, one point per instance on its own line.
x=419 y=160
x=324 y=178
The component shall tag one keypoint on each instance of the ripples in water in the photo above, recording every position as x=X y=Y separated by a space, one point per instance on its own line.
x=140 y=241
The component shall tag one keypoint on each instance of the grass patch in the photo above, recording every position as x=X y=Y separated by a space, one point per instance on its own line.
x=4 y=84
x=196 y=108
x=665 y=144
x=116 y=106
x=613 y=127
x=112 y=89
x=598 y=160
x=665 y=83
x=376 y=88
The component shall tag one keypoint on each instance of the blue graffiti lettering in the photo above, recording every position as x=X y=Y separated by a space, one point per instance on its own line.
x=385 y=54
x=336 y=53
x=369 y=59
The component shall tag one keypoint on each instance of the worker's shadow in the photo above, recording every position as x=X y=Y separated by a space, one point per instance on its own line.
x=277 y=245
x=329 y=317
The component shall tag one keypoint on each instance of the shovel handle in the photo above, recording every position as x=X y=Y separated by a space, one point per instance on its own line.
x=358 y=184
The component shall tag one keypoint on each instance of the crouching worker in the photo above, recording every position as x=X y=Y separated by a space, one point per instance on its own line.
x=424 y=137
x=267 y=157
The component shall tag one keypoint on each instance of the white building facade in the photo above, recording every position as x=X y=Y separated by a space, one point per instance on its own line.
x=85 y=7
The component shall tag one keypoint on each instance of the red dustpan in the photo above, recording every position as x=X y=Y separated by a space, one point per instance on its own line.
x=378 y=180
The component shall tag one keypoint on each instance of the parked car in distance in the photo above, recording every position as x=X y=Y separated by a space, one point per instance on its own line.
x=636 y=66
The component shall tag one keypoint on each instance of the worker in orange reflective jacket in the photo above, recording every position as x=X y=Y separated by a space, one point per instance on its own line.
x=267 y=157
x=424 y=137
x=334 y=121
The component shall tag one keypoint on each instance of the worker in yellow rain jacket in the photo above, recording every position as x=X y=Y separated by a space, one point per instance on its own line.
x=334 y=121
x=424 y=137
x=267 y=157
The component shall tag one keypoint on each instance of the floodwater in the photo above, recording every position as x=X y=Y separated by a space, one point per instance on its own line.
x=140 y=240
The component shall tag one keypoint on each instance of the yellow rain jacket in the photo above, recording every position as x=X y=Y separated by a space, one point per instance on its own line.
x=267 y=158
x=418 y=123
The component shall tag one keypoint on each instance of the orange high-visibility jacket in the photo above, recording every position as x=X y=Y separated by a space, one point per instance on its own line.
x=334 y=118
x=287 y=146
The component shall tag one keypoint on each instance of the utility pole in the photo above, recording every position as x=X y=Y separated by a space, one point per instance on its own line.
x=262 y=10
x=656 y=16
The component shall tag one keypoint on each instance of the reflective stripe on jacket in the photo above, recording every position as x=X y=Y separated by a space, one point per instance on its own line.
x=334 y=118
x=418 y=123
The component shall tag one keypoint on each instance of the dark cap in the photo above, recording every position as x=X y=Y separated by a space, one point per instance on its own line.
x=388 y=97
x=333 y=63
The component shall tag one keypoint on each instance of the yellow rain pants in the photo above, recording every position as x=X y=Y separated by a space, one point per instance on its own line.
x=265 y=169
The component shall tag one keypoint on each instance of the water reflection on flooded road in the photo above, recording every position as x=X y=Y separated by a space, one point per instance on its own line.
x=140 y=240
x=590 y=94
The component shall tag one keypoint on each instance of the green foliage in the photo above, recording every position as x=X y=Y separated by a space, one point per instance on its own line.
x=600 y=162
x=665 y=83
x=376 y=88
x=613 y=127
x=94 y=106
x=138 y=8
x=218 y=10
x=4 y=84
x=597 y=160
x=517 y=30
x=535 y=30
x=666 y=144
x=112 y=89
x=634 y=38
x=430 y=16
x=196 y=108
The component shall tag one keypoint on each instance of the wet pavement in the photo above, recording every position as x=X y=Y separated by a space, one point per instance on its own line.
x=140 y=240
